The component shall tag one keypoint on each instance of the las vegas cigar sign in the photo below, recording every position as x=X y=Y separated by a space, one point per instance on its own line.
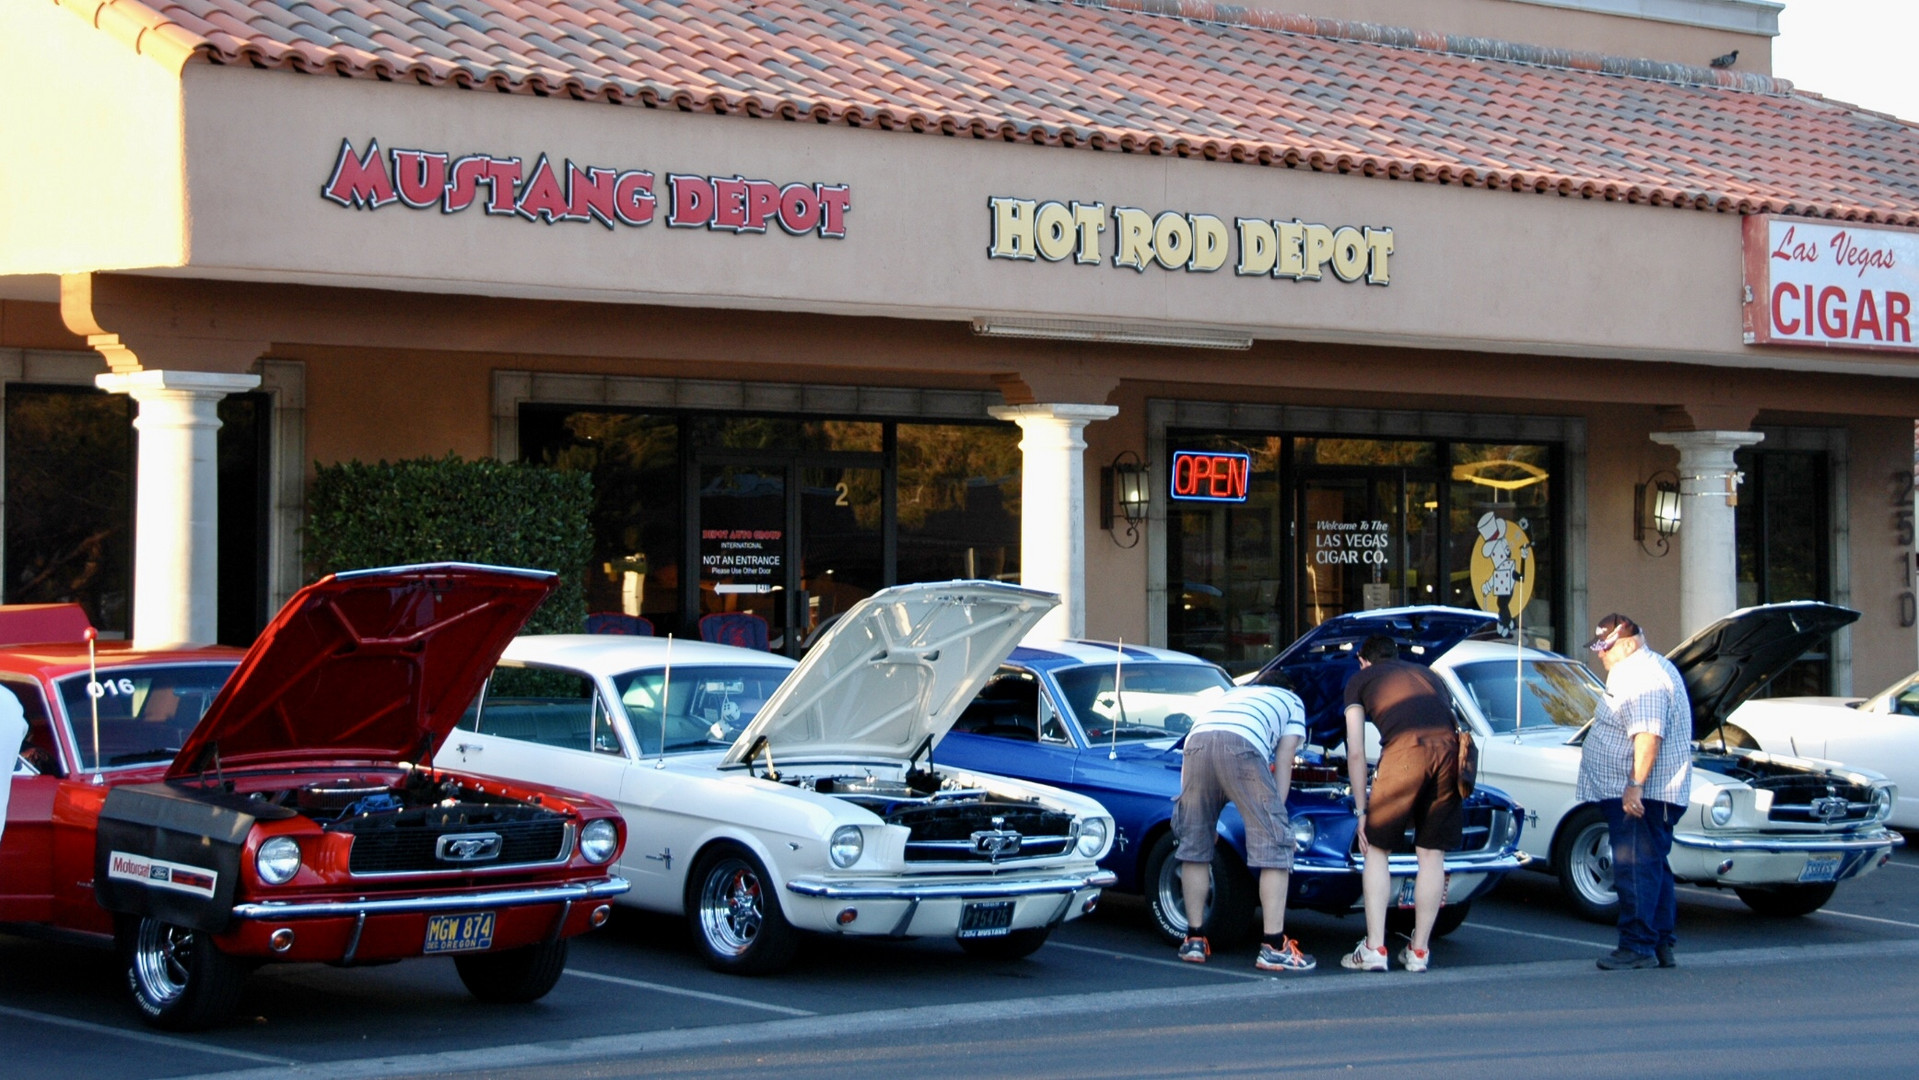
x=1834 y=286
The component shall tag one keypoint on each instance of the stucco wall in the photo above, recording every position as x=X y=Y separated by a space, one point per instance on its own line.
x=1881 y=453
x=92 y=176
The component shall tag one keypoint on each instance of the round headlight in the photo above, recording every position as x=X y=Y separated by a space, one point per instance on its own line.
x=1304 y=832
x=1093 y=834
x=278 y=860
x=1722 y=808
x=1881 y=803
x=599 y=840
x=847 y=844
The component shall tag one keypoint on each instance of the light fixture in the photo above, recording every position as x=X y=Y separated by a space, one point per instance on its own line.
x=1187 y=337
x=1123 y=495
x=1655 y=511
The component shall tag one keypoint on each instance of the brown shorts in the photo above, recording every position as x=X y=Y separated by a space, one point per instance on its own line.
x=1222 y=767
x=1416 y=786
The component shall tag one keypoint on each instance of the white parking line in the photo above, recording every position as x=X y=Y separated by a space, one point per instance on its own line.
x=1204 y=969
x=1867 y=918
x=143 y=1036
x=1542 y=937
x=684 y=992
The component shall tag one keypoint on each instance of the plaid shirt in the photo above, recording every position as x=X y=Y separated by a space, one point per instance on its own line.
x=1644 y=693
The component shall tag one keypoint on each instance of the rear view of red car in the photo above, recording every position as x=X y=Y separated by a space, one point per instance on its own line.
x=207 y=810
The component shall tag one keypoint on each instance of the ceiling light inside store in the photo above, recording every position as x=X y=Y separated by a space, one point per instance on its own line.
x=1187 y=337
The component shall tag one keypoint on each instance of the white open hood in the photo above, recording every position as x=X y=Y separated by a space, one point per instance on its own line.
x=899 y=666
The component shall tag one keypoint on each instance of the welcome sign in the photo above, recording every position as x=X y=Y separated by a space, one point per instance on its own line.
x=1834 y=286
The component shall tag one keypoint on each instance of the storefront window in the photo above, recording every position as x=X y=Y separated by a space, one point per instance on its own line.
x=1784 y=547
x=959 y=502
x=782 y=433
x=70 y=501
x=1333 y=526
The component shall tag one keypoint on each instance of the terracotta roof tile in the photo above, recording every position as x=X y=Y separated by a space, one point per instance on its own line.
x=1146 y=76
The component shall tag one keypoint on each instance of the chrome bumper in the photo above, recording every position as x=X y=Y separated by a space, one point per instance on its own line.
x=547 y=894
x=952 y=890
x=1474 y=862
x=1885 y=838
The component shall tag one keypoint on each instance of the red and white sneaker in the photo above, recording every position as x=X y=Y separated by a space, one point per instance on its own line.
x=1414 y=959
x=1195 y=950
x=1364 y=958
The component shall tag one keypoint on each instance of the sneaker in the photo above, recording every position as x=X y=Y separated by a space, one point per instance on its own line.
x=1664 y=953
x=1627 y=960
x=1363 y=958
x=1414 y=959
x=1283 y=957
x=1195 y=950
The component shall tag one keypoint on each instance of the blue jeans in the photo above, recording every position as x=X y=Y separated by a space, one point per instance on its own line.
x=1648 y=910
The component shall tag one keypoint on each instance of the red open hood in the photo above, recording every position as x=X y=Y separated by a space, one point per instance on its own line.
x=372 y=664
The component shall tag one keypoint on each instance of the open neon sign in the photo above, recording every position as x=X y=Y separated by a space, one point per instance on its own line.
x=1204 y=476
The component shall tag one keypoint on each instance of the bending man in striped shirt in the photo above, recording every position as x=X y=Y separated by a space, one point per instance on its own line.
x=1240 y=750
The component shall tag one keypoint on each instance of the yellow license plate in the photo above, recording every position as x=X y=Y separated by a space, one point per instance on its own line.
x=459 y=933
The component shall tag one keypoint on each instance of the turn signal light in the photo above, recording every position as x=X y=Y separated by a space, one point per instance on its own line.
x=281 y=940
x=846 y=917
x=1725 y=868
x=1091 y=903
x=599 y=916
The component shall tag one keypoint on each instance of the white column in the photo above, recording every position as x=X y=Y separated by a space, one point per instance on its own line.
x=176 y=523
x=1052 y=520
x=1708 y=544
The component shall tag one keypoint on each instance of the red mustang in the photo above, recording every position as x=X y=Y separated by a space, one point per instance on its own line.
x=210 y=810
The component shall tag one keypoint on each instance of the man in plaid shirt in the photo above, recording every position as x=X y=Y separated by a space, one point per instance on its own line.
x=1636 y=764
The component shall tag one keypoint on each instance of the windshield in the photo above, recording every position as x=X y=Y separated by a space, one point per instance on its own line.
x=1155 y=700
x=146 y=712
x=1558 y=693
x=706 y=705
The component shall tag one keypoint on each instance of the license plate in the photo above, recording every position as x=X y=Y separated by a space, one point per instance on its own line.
x=1408 y=885
x=1821 y=868
x=459 y=933
x=993 y=919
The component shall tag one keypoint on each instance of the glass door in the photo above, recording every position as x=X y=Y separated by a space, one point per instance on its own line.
x=743 y=532
x=1366 y=540
x=841 y=542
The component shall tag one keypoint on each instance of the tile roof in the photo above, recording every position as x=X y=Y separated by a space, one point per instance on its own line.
x=1154 y=76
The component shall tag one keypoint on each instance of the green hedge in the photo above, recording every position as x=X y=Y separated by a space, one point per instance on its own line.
x=450 y=510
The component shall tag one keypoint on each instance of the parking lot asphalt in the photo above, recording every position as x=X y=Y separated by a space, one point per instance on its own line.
x=638 y=987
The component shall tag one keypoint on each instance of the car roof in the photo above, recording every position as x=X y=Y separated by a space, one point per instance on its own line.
x=1476 y=649
x=1051 y=654
x=56 y=659
x=608 y=654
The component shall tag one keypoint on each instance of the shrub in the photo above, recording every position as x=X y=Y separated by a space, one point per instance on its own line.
x=449 y=510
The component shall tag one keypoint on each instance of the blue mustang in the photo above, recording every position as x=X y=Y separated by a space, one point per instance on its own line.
x=1050 y=714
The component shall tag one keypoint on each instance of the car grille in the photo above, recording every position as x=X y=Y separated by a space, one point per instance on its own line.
x=1818 y=800
x=398 y=850
x=962 y=833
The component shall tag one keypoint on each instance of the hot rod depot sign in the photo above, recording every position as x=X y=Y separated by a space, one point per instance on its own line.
x=1839 y=286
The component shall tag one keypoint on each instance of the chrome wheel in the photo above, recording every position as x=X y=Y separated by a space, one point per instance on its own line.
x=162 y=957
x=1591 y=867
x=732 y=906
x=1170 y=897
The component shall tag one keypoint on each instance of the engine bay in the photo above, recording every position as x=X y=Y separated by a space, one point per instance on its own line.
x=946 y=819
x=420 y=799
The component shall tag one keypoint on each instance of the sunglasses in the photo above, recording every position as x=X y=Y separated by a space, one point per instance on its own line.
x=1612 y=638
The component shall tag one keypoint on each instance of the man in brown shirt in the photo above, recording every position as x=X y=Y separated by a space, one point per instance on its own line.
x=1416 y=784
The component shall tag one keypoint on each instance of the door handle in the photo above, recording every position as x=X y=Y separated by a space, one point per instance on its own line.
x=466 y=748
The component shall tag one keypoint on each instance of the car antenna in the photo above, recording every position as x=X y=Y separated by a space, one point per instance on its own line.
x=1519 y=669
x=1119 y=698
x=666 y=696
x=93 y=699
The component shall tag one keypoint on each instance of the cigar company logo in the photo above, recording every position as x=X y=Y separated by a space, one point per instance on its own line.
x=160 y=874
x=1294 y=250
x=1836 y=286
x=567 y=192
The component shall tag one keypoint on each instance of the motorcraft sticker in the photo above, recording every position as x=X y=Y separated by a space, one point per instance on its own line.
x=160 y=874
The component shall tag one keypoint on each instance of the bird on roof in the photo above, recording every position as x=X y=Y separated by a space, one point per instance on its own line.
x=1727 y=60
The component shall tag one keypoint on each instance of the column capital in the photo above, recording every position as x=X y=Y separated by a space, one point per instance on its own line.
x=1696 y=442
x=1069 y=412
x=171 y=380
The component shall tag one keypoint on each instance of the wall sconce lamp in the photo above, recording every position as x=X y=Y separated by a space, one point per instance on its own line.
x=1123 y=495
x=1655 y=511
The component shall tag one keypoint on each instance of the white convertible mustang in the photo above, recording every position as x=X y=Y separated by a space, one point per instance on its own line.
x=763 y=797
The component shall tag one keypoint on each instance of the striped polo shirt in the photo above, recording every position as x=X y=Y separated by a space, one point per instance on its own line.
x=1262 y=715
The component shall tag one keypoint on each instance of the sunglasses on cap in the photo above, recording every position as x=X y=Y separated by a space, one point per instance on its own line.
x=1608 y=638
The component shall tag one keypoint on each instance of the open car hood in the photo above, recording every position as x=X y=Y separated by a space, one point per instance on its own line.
x=898 y=667
x=1735 y=657
x=1320 y=661
x=367 y=665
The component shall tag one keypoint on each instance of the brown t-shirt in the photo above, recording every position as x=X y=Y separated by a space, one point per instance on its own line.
x=1401 y=696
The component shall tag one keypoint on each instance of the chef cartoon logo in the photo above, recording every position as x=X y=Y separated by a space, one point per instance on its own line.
x=1502 y=568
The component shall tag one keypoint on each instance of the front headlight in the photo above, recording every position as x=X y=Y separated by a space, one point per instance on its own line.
x=847 y=844
x=278 y=860
x=1721 y=811
x=1304 y=833
x=1881 y=803
x=599 y=840
x=1093 y=833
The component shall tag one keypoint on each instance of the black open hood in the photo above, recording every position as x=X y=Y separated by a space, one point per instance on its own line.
x=1735 y=657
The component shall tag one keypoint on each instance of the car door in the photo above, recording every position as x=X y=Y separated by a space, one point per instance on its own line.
x=1012 y=728
x=26 y=849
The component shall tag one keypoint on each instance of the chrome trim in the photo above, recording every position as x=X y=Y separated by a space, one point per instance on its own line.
x=953 y=890
x=545 y=894
x=567 y=847
x=1786 y=846
x=1465 y=862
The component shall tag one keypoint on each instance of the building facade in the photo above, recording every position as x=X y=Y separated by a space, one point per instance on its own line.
x=1218 y=322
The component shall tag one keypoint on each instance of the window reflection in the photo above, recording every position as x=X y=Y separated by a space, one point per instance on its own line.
x=1555 y=693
